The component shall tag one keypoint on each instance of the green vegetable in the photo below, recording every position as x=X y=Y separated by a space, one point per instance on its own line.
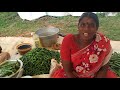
x=9 y=68
x=38 y=61
x=115 y=63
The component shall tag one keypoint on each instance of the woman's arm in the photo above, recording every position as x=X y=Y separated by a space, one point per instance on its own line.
x=102 y=72
x=67 y=65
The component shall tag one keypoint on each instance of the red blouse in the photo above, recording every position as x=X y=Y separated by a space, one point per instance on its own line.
x=68 y=47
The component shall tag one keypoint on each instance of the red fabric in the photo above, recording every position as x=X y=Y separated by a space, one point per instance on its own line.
x=88 y=61
x=68 y=47
x=111 y=74
x=59 y=74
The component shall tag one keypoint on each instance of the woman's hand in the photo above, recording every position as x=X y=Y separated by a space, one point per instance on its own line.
x=102 y=72
x=71 y=75
x=67 y=65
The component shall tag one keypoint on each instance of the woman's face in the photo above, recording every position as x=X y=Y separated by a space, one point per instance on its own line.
x=87 y=28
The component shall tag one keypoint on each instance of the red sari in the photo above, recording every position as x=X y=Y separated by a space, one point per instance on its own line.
x=87 y=61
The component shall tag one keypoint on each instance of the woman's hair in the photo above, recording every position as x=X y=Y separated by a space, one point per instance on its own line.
x=91 y=15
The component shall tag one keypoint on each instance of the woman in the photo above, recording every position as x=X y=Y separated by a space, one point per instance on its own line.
x=86 y=54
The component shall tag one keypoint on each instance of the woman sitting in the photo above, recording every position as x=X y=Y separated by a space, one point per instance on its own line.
x=86 y=54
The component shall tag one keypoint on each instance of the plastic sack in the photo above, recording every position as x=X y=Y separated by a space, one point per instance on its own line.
x=54 y=66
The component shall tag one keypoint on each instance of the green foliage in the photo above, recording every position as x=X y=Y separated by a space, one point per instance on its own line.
x=9 y=68
x=12 y=25
x=101 y=15
x=110 y=26
x=38 y=61
x=118 y=14
x=115 y=63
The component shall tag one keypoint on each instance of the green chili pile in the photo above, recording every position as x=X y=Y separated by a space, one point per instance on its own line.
x=9 y=68
x=115 y=63
x=38 y=61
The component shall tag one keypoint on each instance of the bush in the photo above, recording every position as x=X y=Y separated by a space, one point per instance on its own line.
x=100 y=14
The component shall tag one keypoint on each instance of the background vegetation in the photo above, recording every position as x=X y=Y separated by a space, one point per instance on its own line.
x=12 y=25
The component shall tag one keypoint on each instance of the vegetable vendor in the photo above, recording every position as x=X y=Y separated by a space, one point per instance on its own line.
x=86 y=54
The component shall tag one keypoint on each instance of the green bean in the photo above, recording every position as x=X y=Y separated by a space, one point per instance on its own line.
x=38 y=60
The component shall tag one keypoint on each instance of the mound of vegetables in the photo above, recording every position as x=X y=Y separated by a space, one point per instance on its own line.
x=115 y=63
x=8 y=68
x=38 y=61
